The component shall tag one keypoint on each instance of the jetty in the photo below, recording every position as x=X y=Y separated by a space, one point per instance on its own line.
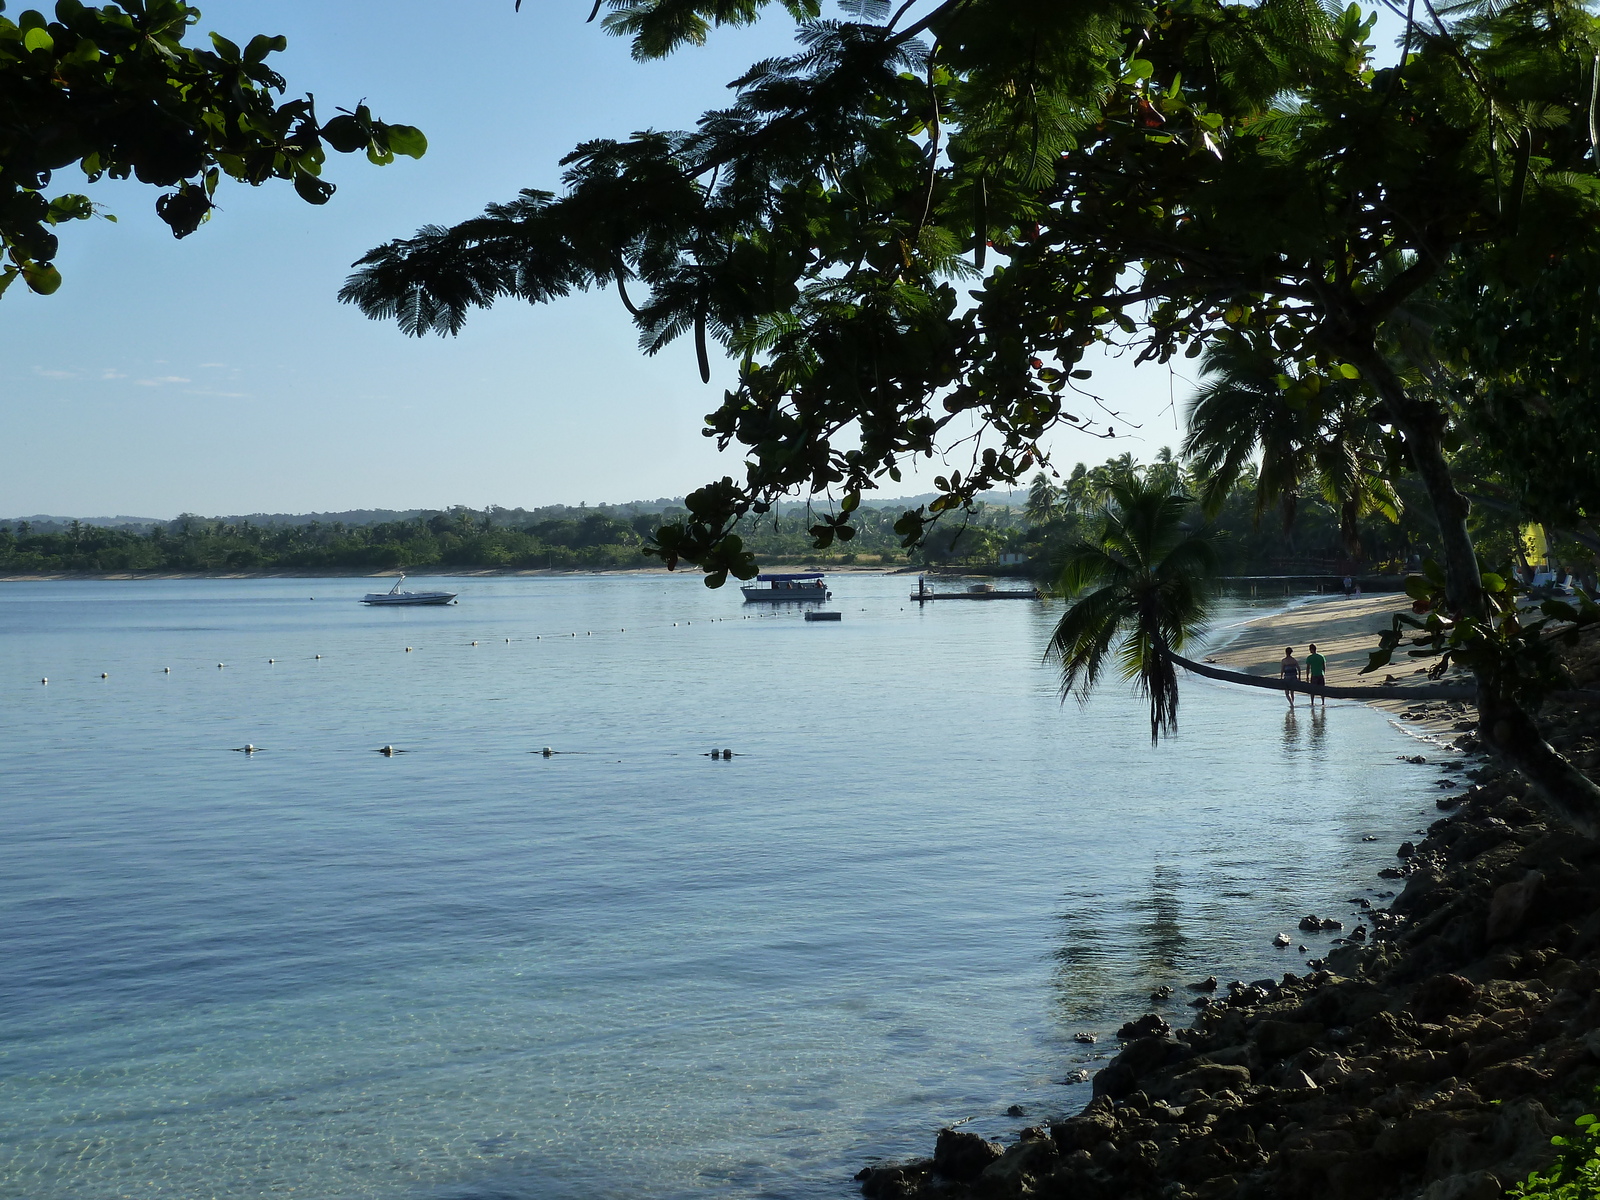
x=978 y=591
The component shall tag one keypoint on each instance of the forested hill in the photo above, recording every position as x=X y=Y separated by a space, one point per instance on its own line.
x=1028 y=536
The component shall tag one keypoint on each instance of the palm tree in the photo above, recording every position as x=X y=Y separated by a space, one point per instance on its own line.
x=1044 y=501
x=1140 y=595
x=1312 y=432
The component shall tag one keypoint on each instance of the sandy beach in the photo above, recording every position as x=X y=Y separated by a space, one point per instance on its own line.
x=1345 y=631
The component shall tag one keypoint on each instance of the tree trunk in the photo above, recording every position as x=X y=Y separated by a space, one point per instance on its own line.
x=1507 y=729
x=1428 y=691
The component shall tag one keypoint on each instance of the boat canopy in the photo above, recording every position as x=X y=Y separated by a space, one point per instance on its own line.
x=788 y=578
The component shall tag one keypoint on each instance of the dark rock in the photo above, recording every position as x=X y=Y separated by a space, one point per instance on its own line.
x=1441 y=995
x=1016 y=1110
x=893 y=1182
x=1311 y=923
x=1161 y=993
x=1149 y=1025
x=1329 y=923
x=1087 y=1039
x=963 y=1156
x=1279 y=1039
x=1208 y=984
x=1510 y=905
x=1407 y=850
x=1014 y=1173
x=1206 y=1079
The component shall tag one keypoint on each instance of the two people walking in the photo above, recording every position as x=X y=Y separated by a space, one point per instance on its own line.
x=1316 y=669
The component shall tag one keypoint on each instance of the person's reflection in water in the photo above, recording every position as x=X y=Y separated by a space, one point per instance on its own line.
x=1319 y=728
x=1291 y=730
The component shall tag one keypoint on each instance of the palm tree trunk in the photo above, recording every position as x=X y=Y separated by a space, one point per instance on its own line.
x=1430 y=691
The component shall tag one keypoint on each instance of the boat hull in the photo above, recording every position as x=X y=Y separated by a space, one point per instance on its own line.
x=761 y=595
x=408 y=599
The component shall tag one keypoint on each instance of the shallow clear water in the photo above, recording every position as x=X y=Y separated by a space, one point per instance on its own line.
x=469 y=971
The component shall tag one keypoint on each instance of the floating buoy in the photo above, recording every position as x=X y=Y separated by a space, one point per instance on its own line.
x=408 y=649
x=536 y=637
x=247 y=748
x=103 y=675
x=166 y=670
x=44 y=681
x=474 y=643
x=388 y=751
x=318 y=656
x=547 y=752
x=727 y=753
x=219 y=666
x=271 y=661
x=508 y=641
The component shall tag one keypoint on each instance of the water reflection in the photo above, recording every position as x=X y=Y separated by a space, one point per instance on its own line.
x=1291 y=730
x=1093 y=957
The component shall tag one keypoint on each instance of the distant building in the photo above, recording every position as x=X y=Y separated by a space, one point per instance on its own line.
x=1011 y=559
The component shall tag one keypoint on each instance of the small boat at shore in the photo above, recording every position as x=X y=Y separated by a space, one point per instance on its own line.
x=394 y=596
x=783 y=588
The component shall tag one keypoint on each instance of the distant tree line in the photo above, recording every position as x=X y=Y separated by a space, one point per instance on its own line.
x=1295 y=532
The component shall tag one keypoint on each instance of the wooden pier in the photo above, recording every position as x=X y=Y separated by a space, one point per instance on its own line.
x=982 y=592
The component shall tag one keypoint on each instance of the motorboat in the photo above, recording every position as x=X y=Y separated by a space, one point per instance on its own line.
x=395 y=596
x=783 y=588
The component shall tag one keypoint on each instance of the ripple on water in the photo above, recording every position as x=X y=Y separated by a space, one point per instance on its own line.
x=473 y=971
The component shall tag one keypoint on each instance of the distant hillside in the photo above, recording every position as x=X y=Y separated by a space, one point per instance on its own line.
x=43 y=524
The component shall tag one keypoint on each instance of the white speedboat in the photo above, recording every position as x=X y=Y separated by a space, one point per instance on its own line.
x=395 y=596
x=782 y=588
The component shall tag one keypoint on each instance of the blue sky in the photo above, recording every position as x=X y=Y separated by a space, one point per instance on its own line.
x=220 y=375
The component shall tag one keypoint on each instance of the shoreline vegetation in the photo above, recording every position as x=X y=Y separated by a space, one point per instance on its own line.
x=1028 y=539
x=1433 y=1055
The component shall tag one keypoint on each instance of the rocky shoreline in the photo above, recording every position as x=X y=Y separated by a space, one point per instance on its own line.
x=1432 y=1055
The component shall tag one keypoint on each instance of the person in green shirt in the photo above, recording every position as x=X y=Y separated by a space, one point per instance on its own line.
x=1317 y=669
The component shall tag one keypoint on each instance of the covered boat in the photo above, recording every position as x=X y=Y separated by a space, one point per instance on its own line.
x=782 y=588
x=395 y=596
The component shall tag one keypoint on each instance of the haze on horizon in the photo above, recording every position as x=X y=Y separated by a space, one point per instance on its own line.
x=220 y=375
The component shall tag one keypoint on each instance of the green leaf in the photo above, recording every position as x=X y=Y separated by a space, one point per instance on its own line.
x=1347 y=371
x=1493 y=582
x=1417 y=587
x=1140 y=68
x=38 y=39
x=42 y=278
x=261 y=45
x=345 y=134
x=407 y=140
x=312 y=190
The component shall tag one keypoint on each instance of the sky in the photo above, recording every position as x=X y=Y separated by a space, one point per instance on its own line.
x=220 y=375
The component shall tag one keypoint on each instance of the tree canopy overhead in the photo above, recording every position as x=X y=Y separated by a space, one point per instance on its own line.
x=115 y=90
x=919 y=223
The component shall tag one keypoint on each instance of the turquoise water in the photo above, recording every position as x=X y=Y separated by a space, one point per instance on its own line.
x=469 y=971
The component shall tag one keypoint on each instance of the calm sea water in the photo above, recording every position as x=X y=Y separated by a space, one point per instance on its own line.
x=628 y=970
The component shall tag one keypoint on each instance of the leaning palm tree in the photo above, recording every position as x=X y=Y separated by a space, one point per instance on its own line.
x=1139 y=595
